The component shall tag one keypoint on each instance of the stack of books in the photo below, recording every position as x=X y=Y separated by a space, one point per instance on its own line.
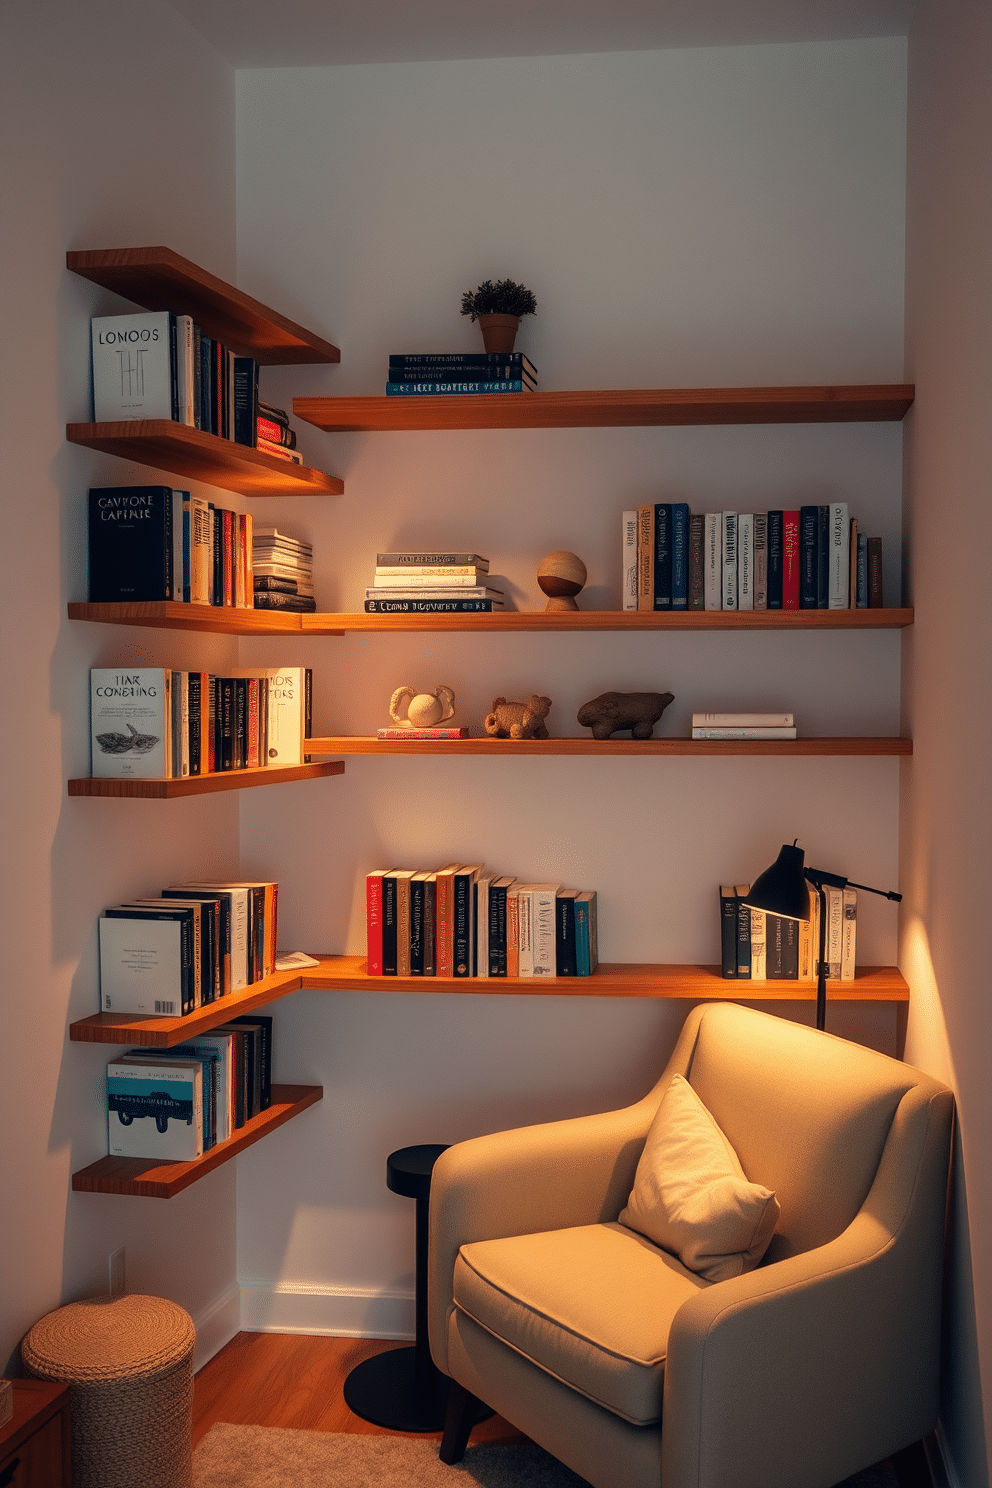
x=811 y=558
x=431 y=583
x=273 y=434
x=757 y=946
x=282 y=569
x=743 y=726
x=153 y=542
x=175 y=1104
x=462 y=921
x=156 y=365
x=154 y=723
x=438 y=372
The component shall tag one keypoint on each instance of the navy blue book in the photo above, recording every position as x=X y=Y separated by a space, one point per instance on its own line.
x=663 y=557
x=130 y=543
x=245 y=400
x=743 y=936
x=775 y=526
x=680 y=555
x=416 y=926
x=823 y=553
x=262 y=1023
x=497 y=926
x=728 y=930
x=809 y=557
x=565 y=957
x=500 y=372
x=464 y=897
x=389 y=924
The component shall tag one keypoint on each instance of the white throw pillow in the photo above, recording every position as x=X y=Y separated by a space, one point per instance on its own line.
x=690 y=1195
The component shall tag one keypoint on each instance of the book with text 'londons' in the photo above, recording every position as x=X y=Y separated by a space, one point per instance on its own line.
x=133 y=367
x=130 y=723
x=155 y=1109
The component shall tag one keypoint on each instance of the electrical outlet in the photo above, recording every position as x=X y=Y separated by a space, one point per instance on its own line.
x=115 y=1273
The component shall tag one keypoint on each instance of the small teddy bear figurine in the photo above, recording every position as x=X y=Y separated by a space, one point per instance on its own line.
x=518 y=720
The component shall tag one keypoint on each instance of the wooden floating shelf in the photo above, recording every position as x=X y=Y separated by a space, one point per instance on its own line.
x=536 y=748
x=146 y=1178
x=166 y=445
x=202 y=785
x=614 y=408
x=165 y=1033
x=222 y=620
x=160 y=279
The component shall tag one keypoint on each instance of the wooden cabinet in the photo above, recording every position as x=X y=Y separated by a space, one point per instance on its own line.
x=36 y=1443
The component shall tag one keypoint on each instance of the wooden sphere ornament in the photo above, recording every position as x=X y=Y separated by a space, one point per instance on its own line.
x=561 y=576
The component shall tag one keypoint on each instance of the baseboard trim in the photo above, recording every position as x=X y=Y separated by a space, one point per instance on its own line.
x=342 y=1312
x=217 y=1325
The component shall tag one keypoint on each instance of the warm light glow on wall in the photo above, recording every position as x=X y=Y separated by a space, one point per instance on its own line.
x=927 y=1044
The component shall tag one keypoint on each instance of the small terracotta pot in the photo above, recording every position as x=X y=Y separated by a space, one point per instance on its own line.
x=499 y=331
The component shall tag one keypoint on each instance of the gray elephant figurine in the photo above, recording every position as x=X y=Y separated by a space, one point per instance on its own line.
x=613 y=712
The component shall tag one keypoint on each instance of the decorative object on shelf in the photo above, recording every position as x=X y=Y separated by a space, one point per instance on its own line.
x=615 y=712
x=781 y=890
x=508 y=720
x=423 y=709
x=562 y=576
x=498 y=308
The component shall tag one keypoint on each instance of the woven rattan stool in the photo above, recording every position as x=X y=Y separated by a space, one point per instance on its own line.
x=129 y=1362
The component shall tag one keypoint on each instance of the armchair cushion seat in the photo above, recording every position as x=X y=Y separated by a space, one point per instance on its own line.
x=591 y=1305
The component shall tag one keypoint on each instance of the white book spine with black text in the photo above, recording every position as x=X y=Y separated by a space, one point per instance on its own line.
x=628 y=582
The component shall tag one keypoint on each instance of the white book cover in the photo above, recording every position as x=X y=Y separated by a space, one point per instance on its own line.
x=141 y=966
x=427 y=581
x=155 y=1109
x=184 y=370
x=758 y=960
x=745 y=561
x=840 y=557
x=729 y=593
x=835 y=931
x=525 y=927
x=628 y=585
x=544 y=928
x=760 y=581
x=850 y=935
x=130 y=723
x=285 y=716
x=742 y=720
x=132 y=367
x=713 y=561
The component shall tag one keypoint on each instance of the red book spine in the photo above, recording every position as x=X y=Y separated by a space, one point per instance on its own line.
x=373 y=919
x=269 y=429
x=790 y=560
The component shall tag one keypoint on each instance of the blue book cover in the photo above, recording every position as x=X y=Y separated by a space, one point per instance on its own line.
x=432 y=389
x=680 y=555
x=663 y=557
x=809 y=557
x=775 y=533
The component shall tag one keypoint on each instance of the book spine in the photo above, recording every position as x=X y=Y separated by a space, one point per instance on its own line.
x=706 y=732
x=388 y=925
x=680 y=556
x=431 y=606
x=453 y=359
x=728 y=931
x=713 y=561
x=462 y=886
x=565 y=952
x=662 y=556
x=745 y=561
x=875 y=595
x=544 y=931
x=582 y=959
x=743 y=941
x=245 y=375
x=196 y=723
x=775 y=523
x=757 y=945
x=442 y=389
x=729 y=587
x=809 y=557
x=862 y=572
x=628 y=567
x=774 y=947
x=416 y=927
x=840 y=557
x=498 y=373
x=850 y=930
x=761 y=560
x=790 y=560
x=696 y=598
x=266 y=428
x=430 y=926
x=513 y=932
x=645 y=557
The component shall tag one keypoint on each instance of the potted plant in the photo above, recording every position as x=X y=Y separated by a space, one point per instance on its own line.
x=498 y=308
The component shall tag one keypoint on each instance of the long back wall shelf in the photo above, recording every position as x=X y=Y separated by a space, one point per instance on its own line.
x=166 y=445
x=160 y=279
x=538 y=748
x=611 y=979
x=203 y=785
x=221 y=620
x=861 y=403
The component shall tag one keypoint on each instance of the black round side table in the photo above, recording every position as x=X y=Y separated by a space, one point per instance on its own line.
x=403 y=1389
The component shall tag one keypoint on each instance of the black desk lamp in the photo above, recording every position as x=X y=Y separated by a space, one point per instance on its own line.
x=781 y=890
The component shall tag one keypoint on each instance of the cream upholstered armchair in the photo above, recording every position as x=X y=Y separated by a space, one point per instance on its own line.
x=635 y=1370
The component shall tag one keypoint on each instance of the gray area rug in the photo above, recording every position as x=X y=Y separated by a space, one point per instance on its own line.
x=270 y=1457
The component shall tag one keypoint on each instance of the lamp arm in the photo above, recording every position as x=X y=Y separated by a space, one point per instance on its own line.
x=819 y=877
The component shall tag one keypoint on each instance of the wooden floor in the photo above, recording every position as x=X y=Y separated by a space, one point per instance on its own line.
x=295 y=1380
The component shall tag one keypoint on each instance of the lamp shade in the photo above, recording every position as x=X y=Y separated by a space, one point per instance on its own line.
x=782 y=888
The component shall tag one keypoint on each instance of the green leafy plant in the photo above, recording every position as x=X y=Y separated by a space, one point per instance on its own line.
x=502 y=298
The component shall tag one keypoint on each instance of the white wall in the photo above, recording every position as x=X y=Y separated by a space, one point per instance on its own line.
x=948 y=807
x=686 y=218
x=118 y=129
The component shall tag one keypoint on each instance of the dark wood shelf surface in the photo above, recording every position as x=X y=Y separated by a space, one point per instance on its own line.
x=166 y=445
x=203 y=785
x=146 y=1178
x=159 y=279
x=536 y=748
x=611 y=407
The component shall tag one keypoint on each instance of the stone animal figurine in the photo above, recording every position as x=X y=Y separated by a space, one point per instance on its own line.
x=614 y=712
x=518 y=720
x=423 y=709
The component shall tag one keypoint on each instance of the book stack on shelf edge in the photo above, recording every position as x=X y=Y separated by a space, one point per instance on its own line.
x=757 y=946
x=743 y=726
x=463 y=921
x=813 y=557
x=431 y=583
x=432 y=374
x=282 y=569
x=273 y=434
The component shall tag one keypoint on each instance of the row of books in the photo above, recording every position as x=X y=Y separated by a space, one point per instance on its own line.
x=156 y=723
x=154 y=543
x=431 y=583
x=439 y=373
x=811 y=558
x=283 y=572
x=176 y=1104
x=757 y=946
x=462 y=921
x=157 y=365
x=190 y=946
